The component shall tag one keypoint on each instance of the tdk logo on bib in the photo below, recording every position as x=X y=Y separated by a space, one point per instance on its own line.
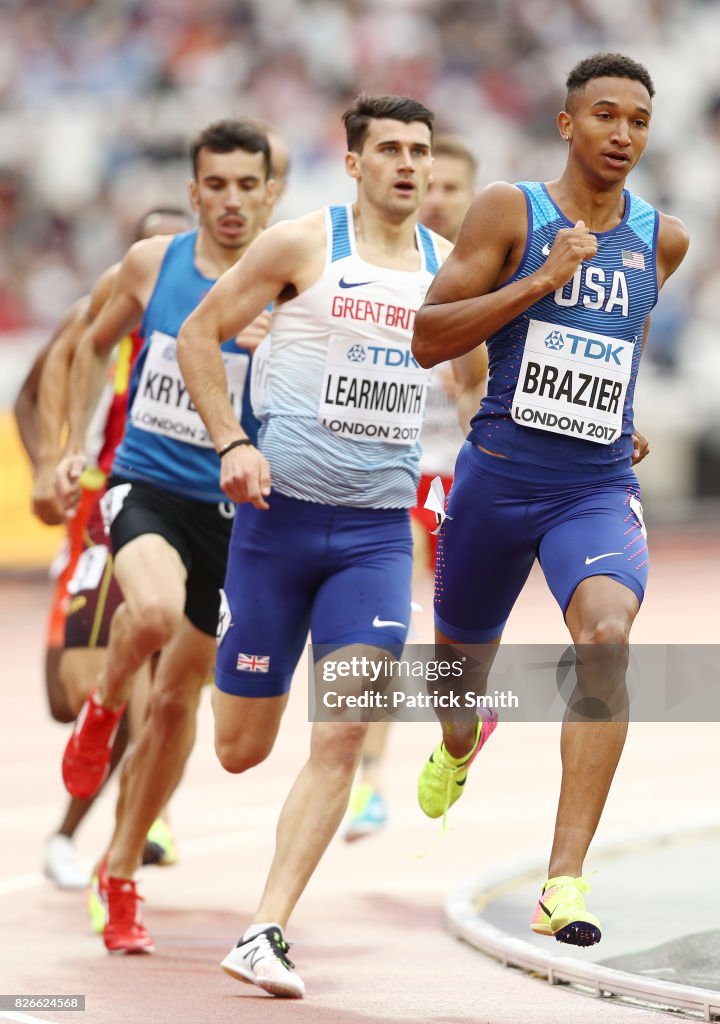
x=593 y=348
x=392 y=357
x=587 y=348
x=554 y=341
x=372 y=392
x=356 y=354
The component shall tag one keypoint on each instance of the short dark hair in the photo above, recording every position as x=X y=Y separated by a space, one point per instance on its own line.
x=451 y=145
x=159 y=213
x=228 y=135
x=366 y=108
x=606 y=65
x=267 y=128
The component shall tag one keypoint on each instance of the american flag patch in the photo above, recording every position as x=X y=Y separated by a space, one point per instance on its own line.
x=253 y=662
x=634 y=260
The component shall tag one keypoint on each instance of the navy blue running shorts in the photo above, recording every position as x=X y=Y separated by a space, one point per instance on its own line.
x=501 y=517
x=342 y=574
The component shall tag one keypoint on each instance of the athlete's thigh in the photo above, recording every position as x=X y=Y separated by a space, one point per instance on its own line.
x=151 y=554
x=149 y=570
x=271 y=577
x=366 y=596
x=599 y=532
x=485 y=552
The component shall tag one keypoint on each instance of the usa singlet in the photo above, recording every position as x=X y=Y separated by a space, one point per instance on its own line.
x=562 y=374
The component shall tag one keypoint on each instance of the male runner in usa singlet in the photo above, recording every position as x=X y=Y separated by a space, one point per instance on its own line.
x=328 y=548
x=560 y=279
x=168 y=519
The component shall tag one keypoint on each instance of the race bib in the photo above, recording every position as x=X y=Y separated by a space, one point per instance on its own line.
x=162 y=404
x=259 y=375
x=573 y=383
x=111 y=503
x=224 y=619
x=89 y=569
x=636 y=506
x=373 y=392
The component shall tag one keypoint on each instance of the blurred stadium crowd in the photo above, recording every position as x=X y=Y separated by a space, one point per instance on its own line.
x=98 y=99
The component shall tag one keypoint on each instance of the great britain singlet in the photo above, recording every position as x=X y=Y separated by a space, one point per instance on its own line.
x=344 y=400
x=166 y=442
x=562 y=374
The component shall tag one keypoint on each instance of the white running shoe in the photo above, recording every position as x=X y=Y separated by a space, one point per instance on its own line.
x=262 y=960
x=60 y=864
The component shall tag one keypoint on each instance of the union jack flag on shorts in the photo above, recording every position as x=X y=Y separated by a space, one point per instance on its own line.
x=253 y=662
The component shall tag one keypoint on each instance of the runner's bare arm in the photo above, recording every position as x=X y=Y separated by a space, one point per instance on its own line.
x=465 y=304
x=53 y=392
x=641 y=447
x=276 y=262
x=673 y=242
x=120 y=314
x=26 y=403
x=51 y=415
x=272 y=263
x=470 y=372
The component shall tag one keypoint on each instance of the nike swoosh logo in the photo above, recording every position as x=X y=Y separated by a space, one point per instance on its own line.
x=589 y=561
x=379 y=623
x=353 y=284
x=546 y=249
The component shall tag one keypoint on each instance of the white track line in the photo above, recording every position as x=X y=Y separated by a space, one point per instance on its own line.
x=464 y=921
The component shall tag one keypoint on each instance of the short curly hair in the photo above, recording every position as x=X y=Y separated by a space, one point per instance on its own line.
x=605 y=65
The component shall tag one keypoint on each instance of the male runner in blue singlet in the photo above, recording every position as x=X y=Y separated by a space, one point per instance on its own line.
x=329 y=548
x=168 y=519
x=560 y=278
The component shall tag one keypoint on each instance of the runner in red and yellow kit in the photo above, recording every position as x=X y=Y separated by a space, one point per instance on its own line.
x=85 y=593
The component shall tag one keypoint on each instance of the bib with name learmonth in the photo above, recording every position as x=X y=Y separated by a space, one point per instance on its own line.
x=372 y=392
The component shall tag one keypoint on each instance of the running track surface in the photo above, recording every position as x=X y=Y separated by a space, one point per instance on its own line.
x=369 y=936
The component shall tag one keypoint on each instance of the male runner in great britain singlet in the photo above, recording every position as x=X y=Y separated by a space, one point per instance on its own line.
x=560 y=278
x=449 y=194
x=329 y=548
x=168 y=519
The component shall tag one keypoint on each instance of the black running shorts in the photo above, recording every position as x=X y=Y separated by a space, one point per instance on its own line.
x=198 y=530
